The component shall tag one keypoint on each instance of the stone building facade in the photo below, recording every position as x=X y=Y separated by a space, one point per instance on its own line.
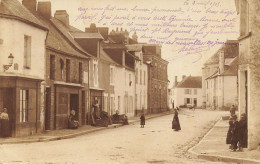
x=249 y=63
x=157 y=78
x=22 y=46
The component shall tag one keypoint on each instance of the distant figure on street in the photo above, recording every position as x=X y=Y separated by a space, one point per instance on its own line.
x=4 y=121
x=73 y=123
x=242 y=138
x=235 y=133
x=142 y=120
x=232 y=110
x=175 y=122
x=173 y=105
x=229 y=133
x=96 y=109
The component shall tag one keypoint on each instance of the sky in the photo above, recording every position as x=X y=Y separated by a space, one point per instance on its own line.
x=179 y=63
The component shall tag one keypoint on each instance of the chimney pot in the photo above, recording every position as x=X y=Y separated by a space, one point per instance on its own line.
x=44 y=8
x=63 y=16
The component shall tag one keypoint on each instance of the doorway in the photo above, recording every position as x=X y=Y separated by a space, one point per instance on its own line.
x=47 y=109
x=74 y=104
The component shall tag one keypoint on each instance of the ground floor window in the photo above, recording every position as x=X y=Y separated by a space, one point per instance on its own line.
x=24 y=97
x=187 y=100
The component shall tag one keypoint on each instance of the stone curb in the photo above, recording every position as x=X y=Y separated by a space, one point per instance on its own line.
x=68 y=136
x=219 y=158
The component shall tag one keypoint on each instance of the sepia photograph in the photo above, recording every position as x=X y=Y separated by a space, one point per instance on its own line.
x=129 y=81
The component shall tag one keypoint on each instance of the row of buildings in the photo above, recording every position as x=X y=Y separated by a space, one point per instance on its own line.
x=231 y=76
x=49 y=67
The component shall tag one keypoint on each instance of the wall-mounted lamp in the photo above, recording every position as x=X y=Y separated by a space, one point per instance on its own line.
x=10 y=62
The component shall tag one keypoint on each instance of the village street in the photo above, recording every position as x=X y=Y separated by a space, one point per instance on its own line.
x=156 y=143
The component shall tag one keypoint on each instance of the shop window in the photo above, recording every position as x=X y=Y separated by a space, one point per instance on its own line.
x=27 y=52
x=24 y=97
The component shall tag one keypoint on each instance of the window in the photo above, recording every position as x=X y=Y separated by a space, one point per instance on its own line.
x=136 y=76
x=111 y=75
x=67 y=70
x=140 y=76
x=144 y=77
x=187 y=100
x=95 y=73
x=187 y=91
x=27 y=52
x=130 y=79
x=195 y=91
x=52 y=67
x=61 y=68
x=24 y=97
x=80 y=73
x=118 y=102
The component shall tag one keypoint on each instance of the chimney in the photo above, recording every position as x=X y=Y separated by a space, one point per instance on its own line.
x=104 y=32
x=176 y=80
x=44 y=8
x=92 y=28
x=63 y=16
x=30 y=4
x=221 y=61
x=135 y=37
x=183 y=77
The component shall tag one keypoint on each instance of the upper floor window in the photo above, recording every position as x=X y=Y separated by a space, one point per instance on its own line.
x=244 y=17
x=111 y=75
x=61 y=69
x=144 y=77
x=195 y=91
x=130 y=80
x=80 y=73
x=52 y=67
x=136 y=76
x=95 y=73
x=187 y=91
x=140 y=76
x=27 y=52
x=67 y=70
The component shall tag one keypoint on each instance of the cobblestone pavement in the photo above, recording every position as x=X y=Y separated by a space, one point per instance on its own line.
x=156 y=143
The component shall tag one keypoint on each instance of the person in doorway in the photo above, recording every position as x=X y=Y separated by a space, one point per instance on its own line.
x=235 y=133
x=96 y=109
x=229 y=133
x=142 y=120
x=175 y=122
x=5 y=127
x=242 y=132
x=232 y=110
x=73 y=123
x=173 y=105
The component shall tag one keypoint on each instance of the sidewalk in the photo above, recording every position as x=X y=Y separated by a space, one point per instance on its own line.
x=70 y=133
x=213 y=147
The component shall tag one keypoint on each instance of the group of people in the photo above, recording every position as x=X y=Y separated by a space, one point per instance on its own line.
x=175 y=122
x=4 y=123
x=237 y=132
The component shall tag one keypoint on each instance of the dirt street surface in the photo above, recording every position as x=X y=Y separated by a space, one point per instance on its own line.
x=156 y=143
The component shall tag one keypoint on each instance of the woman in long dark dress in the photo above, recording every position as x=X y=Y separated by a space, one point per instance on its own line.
x=5 y=128
x=142 y=123
x=229 y=133
x=175 y=122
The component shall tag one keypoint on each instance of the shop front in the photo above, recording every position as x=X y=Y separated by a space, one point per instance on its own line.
x=21 y=96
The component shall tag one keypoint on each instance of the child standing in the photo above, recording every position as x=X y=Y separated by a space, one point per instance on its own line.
x=142 y=118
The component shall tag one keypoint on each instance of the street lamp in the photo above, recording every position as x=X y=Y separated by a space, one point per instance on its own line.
x=10 y=62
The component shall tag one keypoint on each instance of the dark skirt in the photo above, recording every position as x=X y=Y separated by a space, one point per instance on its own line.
x=5 y=128
x=142 y=122
x=176 y=124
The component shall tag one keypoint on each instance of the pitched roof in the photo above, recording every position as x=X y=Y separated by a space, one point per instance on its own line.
x=191 y=82
x=230 y=49
x=106 y=57
x=89 y=35
x=57 y=41
x=14 y=9
x=233 y=68
x=65 y=31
